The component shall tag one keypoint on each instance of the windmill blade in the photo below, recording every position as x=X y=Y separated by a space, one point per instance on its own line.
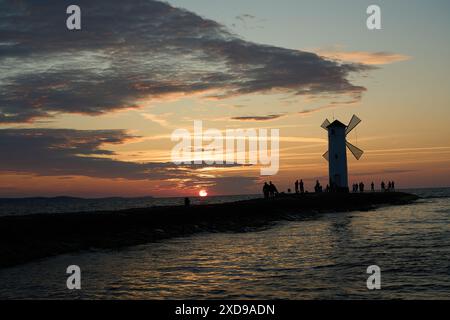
x=352 y=124
x=357 y=152
x=326 y=155
x=325 y=124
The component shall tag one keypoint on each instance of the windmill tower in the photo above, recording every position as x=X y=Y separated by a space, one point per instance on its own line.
x=337 y=153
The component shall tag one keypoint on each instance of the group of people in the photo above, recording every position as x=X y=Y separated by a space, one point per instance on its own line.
x=318 y=187
x=390 y=187
x=299 y=186
x=269 y=190
x=360 y=186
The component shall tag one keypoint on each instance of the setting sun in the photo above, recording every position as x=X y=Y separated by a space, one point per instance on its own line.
x=203 y=193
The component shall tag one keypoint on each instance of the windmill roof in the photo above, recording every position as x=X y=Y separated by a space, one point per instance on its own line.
x=336 y=123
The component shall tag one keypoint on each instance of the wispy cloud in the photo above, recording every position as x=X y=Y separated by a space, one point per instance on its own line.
x=159 y=119
x=245 y=16
x=331 y=105
x=363 y=57
x=258 y=118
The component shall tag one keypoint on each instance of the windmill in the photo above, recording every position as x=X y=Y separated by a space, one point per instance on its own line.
x=337 y=153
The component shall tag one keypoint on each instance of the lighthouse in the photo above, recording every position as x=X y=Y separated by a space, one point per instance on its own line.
x=337 y=152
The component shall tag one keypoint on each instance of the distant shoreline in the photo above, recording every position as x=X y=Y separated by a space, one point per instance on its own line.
x=26 y=238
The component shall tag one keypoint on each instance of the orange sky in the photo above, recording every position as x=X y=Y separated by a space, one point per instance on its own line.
x=400 y=93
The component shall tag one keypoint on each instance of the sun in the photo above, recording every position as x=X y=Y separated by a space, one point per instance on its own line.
x=203 y=193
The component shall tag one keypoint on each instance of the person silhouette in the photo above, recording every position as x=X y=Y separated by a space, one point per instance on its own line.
x=272 y=190
x=296 y=186
x=372 y=186
x=317 y=187
x=383 y=186
x=302 y=187
x=392 y=185
x=361 y=187
x=266 y=190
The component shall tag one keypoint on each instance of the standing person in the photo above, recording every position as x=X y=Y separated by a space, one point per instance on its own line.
x=372 y=186
x=296 y=186
x=392 y=185
x=361 y=187
x=272 y=190
x=383 y=186
x=389 y=186
x=302 y=187
x=317 y=187
x=266 y=190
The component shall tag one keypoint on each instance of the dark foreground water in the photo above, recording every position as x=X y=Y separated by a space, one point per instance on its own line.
x=324 y=257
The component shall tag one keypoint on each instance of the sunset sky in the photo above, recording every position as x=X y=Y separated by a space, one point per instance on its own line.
x=90 y=113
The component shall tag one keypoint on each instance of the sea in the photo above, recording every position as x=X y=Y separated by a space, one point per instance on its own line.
x=325 y=256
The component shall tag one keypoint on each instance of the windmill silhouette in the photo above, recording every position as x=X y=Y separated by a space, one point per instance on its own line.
x=337 y=153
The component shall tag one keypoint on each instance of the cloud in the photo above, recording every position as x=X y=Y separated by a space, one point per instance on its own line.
x=159 y=119
x=248 y=21
x=331 y=105
x=244 y=17
x=258 y=118
x=68 y=152
x=145 y=50
x=363 y=57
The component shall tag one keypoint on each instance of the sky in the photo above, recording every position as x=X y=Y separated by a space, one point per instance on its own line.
x=90 y=113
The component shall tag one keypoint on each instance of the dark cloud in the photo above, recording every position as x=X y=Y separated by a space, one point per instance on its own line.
x=258 y=118
x=66 y=152
x=127 y=51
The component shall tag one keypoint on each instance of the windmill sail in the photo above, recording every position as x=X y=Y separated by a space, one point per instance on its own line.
x=352 y=124
x=326 y=156
x=355 y=150
x=325 y=124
